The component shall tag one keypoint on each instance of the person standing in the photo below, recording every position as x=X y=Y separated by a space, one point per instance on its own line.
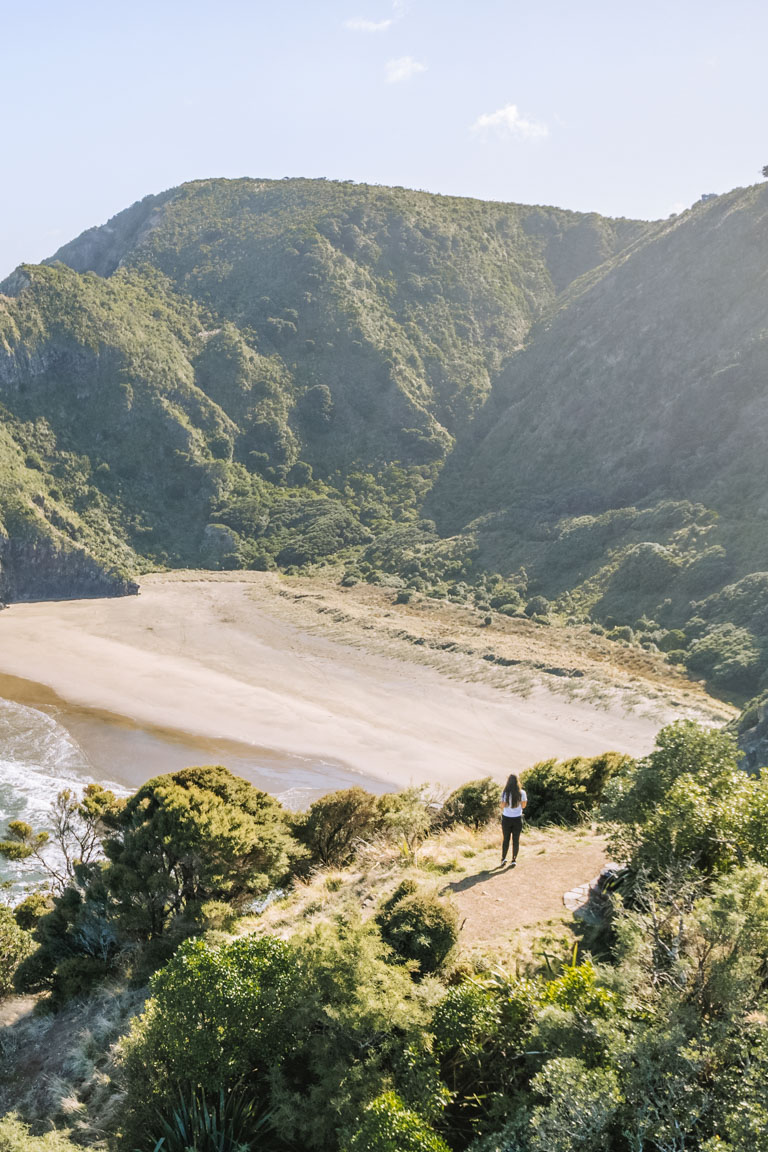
x=513 y=801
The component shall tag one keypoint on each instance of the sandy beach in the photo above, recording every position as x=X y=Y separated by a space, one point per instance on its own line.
x=221 y=660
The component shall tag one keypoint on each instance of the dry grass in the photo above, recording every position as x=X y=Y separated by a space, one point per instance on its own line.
x=514 y=654
x=507 y=918
x=62 y=1069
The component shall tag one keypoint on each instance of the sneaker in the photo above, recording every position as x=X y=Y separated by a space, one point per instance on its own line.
x=503 y=862
x=513 y=864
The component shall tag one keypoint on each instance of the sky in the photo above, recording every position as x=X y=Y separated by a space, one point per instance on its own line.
x=623 y=108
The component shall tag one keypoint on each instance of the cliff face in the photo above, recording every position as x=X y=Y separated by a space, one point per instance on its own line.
x=46 y=570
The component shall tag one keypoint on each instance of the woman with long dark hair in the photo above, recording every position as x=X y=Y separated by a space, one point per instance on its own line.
x=513 y=801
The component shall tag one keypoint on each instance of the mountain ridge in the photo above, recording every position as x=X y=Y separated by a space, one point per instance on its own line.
x=246 y=373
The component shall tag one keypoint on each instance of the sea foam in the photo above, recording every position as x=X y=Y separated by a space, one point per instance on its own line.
x=38 y=758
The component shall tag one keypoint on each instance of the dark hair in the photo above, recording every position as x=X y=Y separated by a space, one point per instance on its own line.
x=511 y=794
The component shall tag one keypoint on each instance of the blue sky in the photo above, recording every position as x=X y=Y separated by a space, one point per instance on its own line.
x=629 y=109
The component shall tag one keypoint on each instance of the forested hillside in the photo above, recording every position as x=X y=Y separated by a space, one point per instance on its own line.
x=531 y=409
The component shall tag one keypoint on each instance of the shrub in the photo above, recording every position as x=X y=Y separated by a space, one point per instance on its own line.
x=228 y=1123
x=687 y=803
x=405 y=818
x=480 y=1032
x=15 y=1136
x=729 y=657
x=313 y=1029
x=566 y=791
x=389 y=1126
x=28 y=911
x=15 y=945
x=193 y=1030
x=672 y=641
x=196 y=835
x=335 y=825
x=419 y=926
x=537 y=606
x=474 y=803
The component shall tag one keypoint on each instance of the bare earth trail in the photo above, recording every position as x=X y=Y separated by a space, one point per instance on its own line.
x=237 y=657
x=496 y=905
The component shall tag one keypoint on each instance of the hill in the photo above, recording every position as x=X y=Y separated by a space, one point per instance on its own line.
x=249 y=373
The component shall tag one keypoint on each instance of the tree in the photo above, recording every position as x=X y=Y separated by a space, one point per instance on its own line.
x=74 y=841
x=337 y=823
x=193 y=836
x=687 y=802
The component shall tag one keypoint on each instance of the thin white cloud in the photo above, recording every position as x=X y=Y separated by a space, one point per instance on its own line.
x=507 y=121
x=368 y=25
x=403 y=68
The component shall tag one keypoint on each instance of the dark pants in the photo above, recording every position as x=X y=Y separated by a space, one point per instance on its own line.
x=510 y=826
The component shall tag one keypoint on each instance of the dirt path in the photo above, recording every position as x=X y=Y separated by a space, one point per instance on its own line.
x=494 y=904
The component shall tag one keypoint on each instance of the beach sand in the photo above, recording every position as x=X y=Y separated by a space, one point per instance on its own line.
x=203 y=660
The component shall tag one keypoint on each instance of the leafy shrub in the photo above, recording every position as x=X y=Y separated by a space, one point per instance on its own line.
x=729 y=657
x=336 y=823
x=419 y=926
x=193 y=836
x=480 y=1031
x=406 y=818
x=687 y=803
x=15 y=1136
x=672 y=640
x=566 y=791
x=313 y=1028
x=28 y=911
x=537 y=606
x=389 y=1126
x=192 y=1030
x=15 y=945
x=474 y=803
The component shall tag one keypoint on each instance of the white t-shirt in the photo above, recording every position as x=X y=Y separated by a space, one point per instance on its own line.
x=519 y=810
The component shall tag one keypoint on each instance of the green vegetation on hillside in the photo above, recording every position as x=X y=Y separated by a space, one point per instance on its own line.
x=522 y=408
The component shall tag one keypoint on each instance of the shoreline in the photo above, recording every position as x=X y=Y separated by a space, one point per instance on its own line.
x=124 y=751
x=207 y=660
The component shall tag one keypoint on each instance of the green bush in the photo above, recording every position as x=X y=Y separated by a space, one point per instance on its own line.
x=389 y=1126
x=480 y=1032
x=15 y=1136
x=313 y=1028
x=673 y=640
x=687 y=804
x=567 y=791
x=217 y=1013
x=474 y=803
x=15 y=945
x=193 y=836
x=337 y=823
x=728 y=656
x=419 y=926
x=537 y=606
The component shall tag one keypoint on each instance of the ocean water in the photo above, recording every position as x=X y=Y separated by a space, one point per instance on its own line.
x=38 y=758
x=45 y=751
